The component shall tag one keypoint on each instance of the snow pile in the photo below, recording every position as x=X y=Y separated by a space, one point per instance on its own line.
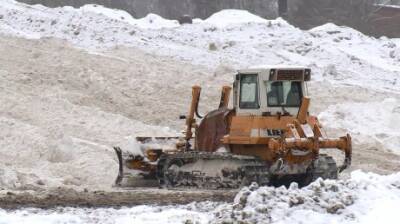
x=61 y=114
x=369 y=122
x=115 y=14
x=365 y=198
x=192 y=213
x=228 y=37
x=360 y=46
x=66 y=156
x=130 y=145
x=151 y=21
x=232 y=16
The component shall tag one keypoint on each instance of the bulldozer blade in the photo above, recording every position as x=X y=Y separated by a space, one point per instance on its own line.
x=138 y=168
x=128 y=178
x=120 y=166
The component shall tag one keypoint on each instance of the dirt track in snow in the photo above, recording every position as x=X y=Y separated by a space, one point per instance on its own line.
x=62 y=109
x=117 y=198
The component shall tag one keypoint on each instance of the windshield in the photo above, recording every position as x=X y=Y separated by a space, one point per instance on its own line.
x=284 y=94
x=248 y=91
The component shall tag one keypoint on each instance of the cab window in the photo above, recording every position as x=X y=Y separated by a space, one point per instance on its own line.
x=284 y=94
x=248 y=91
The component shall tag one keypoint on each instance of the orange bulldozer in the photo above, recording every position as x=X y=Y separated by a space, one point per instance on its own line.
x=266 y=136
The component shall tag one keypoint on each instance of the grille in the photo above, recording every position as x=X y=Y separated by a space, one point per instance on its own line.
x=290 y=75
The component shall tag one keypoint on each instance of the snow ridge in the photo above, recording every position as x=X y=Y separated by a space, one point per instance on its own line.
x=365 y=198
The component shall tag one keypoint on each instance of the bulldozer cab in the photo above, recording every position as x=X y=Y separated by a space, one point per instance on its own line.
x=270 y=91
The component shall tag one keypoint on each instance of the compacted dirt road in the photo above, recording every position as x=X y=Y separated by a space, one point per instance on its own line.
x=129 y=197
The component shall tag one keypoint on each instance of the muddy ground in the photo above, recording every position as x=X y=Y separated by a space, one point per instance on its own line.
x=130 y=197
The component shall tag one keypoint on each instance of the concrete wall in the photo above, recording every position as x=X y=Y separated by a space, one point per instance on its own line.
x=173 y=9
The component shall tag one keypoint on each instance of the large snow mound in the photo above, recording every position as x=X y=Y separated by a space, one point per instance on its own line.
x=340 y=55
x=110 y=13
x=228 y=40
x=151 y=21
x=62 y=114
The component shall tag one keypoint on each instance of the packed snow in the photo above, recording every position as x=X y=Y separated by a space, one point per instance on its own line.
x=66 y=102
x=373 y=121
x=196 y=213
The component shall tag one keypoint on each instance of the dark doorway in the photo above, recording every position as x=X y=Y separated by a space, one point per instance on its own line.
x=282 y=8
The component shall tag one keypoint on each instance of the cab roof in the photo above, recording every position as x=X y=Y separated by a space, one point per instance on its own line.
x=266 y=68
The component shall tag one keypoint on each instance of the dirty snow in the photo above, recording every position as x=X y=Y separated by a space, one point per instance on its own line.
x=62 y=114
x=363 y=198
x=138 y=215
